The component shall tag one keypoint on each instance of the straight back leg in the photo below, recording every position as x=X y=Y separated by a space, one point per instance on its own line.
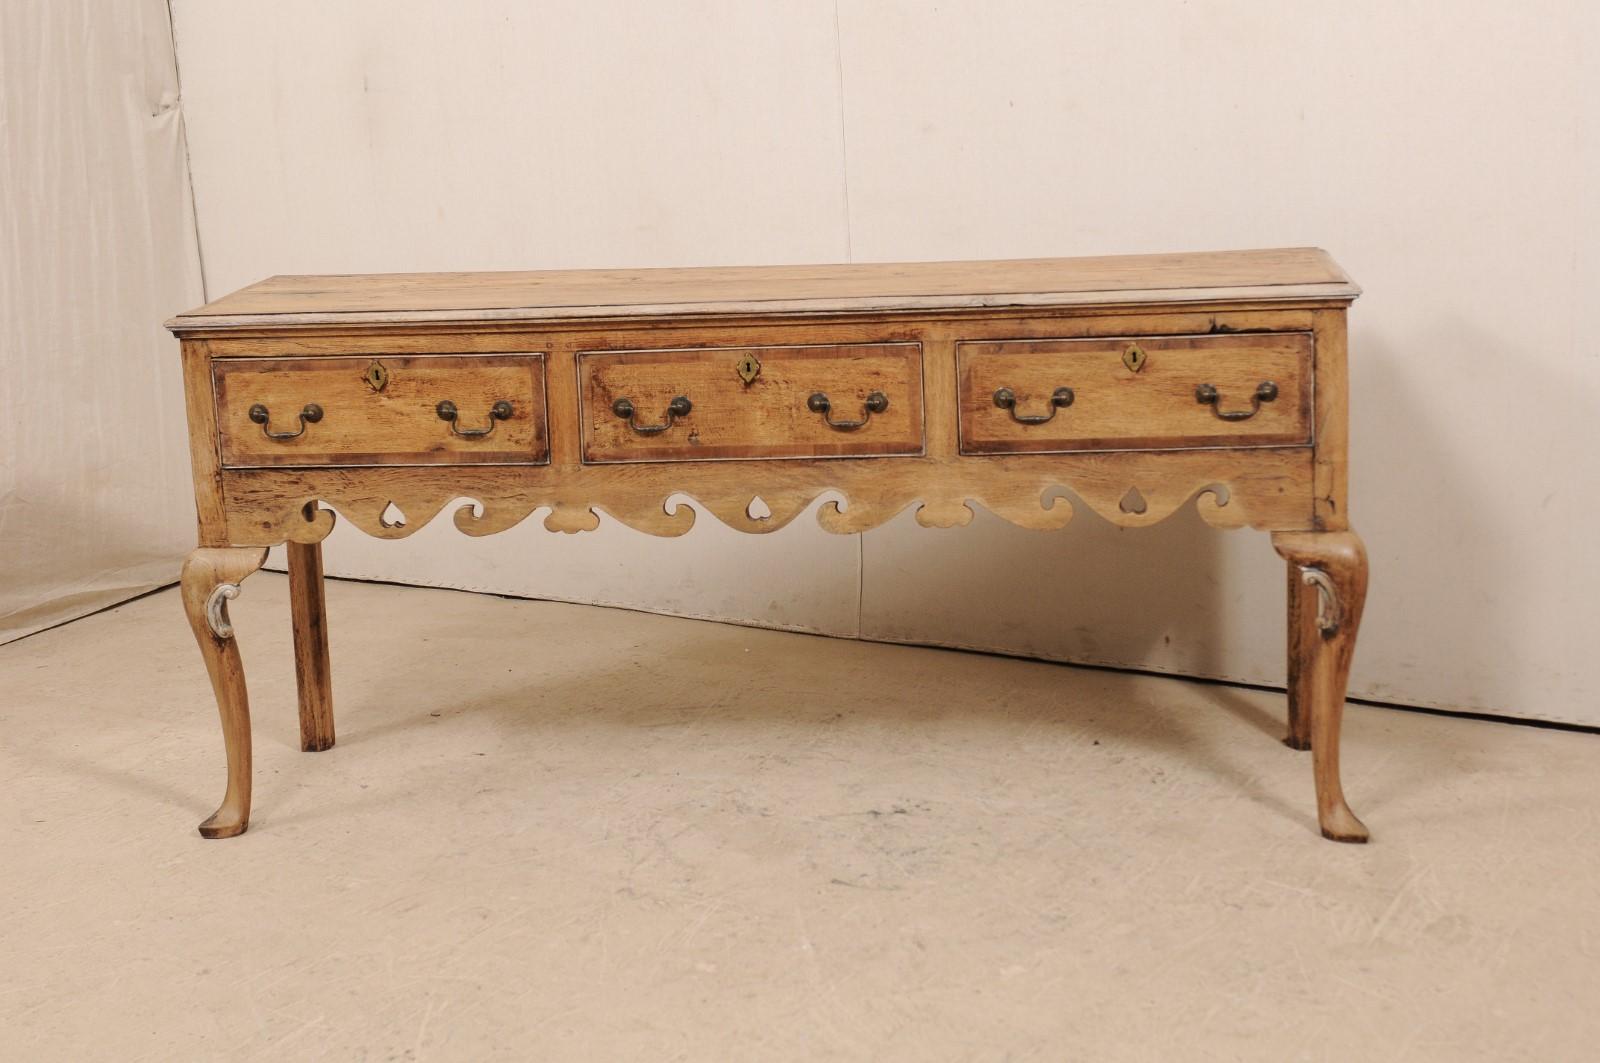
x=308 y=609
x=1301 y=625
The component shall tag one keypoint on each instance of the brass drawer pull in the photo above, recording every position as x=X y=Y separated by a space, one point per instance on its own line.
x=1060 y=399
x=876 y=402
x=678 y=407
x=1206 y=395
x=500 y=411
x=311 y=413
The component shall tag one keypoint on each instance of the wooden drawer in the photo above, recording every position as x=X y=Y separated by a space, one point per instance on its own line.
x=1136 y=393
x=382 y=410
x=827 y=401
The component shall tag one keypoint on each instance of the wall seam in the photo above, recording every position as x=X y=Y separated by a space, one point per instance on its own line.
x=849 y=256
x=188 y=162
x=844 y=137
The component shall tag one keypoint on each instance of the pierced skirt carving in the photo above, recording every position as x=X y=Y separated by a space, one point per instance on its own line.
x=1229 y=489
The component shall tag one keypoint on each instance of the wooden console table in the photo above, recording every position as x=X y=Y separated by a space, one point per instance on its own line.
x=1138 y=383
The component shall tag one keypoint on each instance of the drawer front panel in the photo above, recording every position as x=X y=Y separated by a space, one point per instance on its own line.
x=689 y=405
x=1136 y=393
x=382 y=410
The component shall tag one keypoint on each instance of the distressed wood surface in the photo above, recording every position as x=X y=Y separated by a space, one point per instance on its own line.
x=1331 y=471
x=1302 y=603
x=477 y=337
x=398 y=424
x=1259 y=275
x=308 y=612
x=1322 y=661
x=205 y=570
x=936 y=339
x=204 y=460
x=1152 y=406
x=768 y=417
x=1265 y=488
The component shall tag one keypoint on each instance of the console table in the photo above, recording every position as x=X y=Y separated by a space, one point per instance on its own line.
x=1138 y=383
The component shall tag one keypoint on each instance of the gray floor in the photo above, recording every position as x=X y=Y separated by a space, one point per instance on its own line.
x=558 y=832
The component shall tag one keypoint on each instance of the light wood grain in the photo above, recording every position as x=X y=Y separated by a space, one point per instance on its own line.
x=204 y=571
x=937 y=339
x=1116 y=407
x=204 y=460
x=1265 y=489
x=1282 y=273
x=1332 y=470
x=1302 y=602
x=397 y=425
x=750 y=330
x=765 y=418
x=1323 y=662
x=308 y=611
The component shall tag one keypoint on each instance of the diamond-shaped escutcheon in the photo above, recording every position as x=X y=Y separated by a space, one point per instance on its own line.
x=376 y=376
x=749 y=368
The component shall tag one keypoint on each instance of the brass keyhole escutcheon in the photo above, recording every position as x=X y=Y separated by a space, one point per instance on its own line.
x=376 y=376
x=1134 y=357
x=749 y=368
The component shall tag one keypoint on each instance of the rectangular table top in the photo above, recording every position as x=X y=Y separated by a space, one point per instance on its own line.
x=1282 y=274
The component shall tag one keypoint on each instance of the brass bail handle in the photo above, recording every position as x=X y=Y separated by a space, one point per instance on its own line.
x=1207 y=395
x=819 y=402
x=680 y=406
x=1060 y=399
x=310 y=413
x=500 y=411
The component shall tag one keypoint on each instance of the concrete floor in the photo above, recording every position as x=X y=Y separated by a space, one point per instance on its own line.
x=558 y=832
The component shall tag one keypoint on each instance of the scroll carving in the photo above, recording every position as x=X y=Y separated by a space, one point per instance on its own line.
x=267 y=507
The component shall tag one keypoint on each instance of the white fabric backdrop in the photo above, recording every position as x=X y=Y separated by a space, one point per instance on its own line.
x=97 y=247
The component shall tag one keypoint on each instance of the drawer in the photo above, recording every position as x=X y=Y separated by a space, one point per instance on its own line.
x=1135 y=393
x=826 y=401
x=382 y=410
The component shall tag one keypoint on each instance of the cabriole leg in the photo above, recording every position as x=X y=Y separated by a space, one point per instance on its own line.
x=1332 y=567
x=309 y=611
x=211 y=576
